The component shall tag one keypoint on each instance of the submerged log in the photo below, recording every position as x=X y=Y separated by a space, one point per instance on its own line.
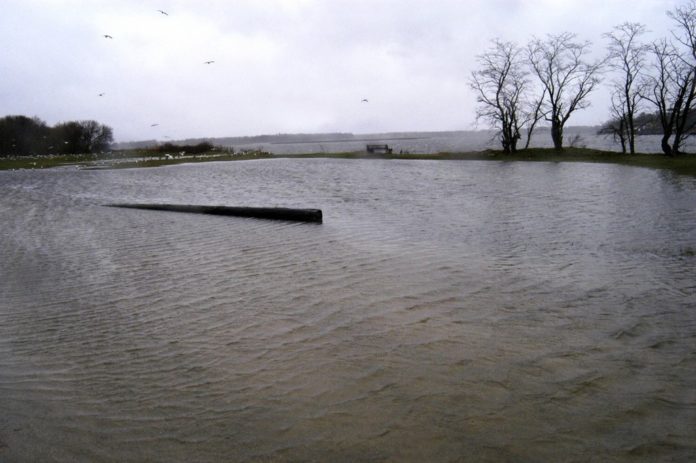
x=273 y=213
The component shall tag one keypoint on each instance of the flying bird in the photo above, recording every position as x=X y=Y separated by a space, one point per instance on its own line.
x=154 y=125
x=209 y=62
x=364 y=100
x=163 y=12
x=101 y=94
x=107 y=36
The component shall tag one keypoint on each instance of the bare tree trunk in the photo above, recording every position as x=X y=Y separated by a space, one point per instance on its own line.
x=666 y=148
x=506 y=145
x=535 y=118
x=513 y=143
x=505 y=137
x=676 y=144
x=622 y=137
x=631 y=135
x=557 y=135
x=529 y=135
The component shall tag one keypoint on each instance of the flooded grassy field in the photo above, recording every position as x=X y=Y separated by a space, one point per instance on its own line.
x=444 y=311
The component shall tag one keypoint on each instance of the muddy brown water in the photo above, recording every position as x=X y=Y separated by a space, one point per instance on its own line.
x=444 y=311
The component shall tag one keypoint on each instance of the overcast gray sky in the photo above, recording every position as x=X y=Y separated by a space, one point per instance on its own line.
x=281 y=66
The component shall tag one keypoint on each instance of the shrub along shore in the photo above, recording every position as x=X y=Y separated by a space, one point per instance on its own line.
x=684 y=164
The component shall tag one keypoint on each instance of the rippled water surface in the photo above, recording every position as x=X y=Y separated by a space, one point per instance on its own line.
x=444 y=311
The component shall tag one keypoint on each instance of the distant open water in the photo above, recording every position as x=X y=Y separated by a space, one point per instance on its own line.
x=433 y=142
x=444 y=311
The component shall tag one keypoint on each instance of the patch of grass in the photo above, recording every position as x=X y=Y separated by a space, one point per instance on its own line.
x=121 y=159
x=206 y=157
x=683 y=164
x=45 y=162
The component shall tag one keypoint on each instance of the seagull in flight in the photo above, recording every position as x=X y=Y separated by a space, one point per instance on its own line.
x=364 y=100
x=101 y=94
x=209 y=62
x=154 y=125
x=107 y=36
x=163 y=12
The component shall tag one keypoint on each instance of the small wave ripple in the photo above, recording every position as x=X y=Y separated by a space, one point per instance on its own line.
x=497 y=311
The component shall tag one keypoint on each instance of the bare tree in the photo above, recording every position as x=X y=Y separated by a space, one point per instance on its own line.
x=627 y=56
x=566 y=76
x=668 y=86
x=95 y=136
x=500 y=85
x=685 y=17
x=617 y=126
x=671 y=87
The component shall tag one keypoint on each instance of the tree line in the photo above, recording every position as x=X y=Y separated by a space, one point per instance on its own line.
x=198 y=148
x=549 y=79
x=23 y=136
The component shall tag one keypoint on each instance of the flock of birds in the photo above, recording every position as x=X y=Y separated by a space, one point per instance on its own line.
x=108 y=36
x=208 y=62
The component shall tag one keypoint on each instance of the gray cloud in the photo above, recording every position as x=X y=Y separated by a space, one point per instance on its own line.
x=280 y=65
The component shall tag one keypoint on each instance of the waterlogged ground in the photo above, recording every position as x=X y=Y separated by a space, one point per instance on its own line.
x=444 y=311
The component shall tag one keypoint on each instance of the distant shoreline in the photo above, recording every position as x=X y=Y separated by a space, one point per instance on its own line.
x=333 y=137
x=344 y=140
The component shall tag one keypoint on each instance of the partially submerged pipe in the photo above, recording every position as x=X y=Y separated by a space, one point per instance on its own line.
x=273 y=213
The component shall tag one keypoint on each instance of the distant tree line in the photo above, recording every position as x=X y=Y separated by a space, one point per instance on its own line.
x=644 y=124
x=24 y=136
x=653 y=85
x=202 y=147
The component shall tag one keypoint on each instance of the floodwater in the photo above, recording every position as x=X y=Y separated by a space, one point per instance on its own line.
x=444 y=311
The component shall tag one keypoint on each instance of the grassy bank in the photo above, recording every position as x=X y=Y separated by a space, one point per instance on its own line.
x=45 y=162
x=684 y=164
x=119 y=160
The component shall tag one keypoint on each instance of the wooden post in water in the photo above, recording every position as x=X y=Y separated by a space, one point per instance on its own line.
x=273 y=213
